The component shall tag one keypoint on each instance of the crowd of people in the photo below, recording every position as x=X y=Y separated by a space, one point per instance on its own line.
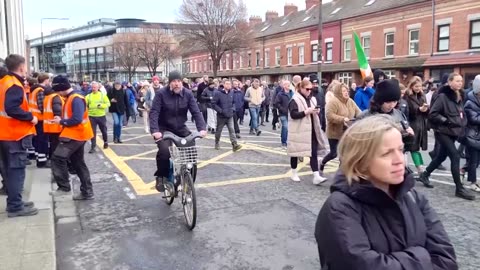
x=369 y=128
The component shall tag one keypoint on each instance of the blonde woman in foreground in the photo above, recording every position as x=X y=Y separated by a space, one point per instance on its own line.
x=374 y=219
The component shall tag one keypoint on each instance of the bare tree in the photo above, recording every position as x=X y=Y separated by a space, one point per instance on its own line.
x=154 y=47
x=217 y=26
x=126 y=55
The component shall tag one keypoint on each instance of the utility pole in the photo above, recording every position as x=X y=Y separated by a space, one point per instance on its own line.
x=320 y=45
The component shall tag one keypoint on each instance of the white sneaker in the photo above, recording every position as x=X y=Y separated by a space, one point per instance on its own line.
x=473 y=186
x=294 y=176
x=317 y=179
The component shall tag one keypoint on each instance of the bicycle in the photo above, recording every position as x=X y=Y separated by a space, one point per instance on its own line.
x=183 y=160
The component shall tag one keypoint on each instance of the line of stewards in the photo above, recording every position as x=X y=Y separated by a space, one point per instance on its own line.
x=18 y=128
x=76 y=131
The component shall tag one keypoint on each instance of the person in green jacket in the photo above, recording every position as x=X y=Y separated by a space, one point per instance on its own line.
x=97 y=104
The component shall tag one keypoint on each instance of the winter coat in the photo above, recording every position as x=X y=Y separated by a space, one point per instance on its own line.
x=360 y=227
x=120 y=96
x=446 y=113
x=398 y=117
x=254 y=97
x=363 y=97
x=337 y=110
x=282 y=100
x=418 y=122
x=403 y=106
x=223 y=103
x=207 y=97
x=238 y=100
x=319 y=94
x=472 y=112
x=267 y=94
x=302 y=128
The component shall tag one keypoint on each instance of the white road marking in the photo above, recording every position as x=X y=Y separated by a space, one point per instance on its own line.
x=129 y=193
x=117 y=177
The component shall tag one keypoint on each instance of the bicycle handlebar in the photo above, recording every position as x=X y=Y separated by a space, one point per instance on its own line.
x=181 y=141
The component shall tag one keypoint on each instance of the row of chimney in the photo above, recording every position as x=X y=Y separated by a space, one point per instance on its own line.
x=287 y=9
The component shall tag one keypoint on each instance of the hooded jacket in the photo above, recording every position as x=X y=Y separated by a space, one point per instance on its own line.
x=337 y=110
x=472 y=112
x=363 y=96
x=446 y=114
x=360 y=227
x=376 y=77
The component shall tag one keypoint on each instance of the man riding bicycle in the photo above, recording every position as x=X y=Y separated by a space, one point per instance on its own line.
x=169 y=113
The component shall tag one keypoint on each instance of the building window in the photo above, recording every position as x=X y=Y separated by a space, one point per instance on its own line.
x=314 y=53
x=257 y=58
x=347 y=50
x=249 y=60
x=289 y=56
x=389 y=44
x=366 y=45
x=241 y=60
x=329 y=51
x=267 y=58
x=443 y=38
x=390 y=74
x=345 y=77
x=475 y=34
x=234 y=64
x=413 y=38
x=301 y=55
x=277 y=57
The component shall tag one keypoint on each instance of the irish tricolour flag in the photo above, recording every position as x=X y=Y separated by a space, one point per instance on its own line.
x=362 y=59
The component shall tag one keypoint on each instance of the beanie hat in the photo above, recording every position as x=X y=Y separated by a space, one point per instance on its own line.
x=60 y=83
x=444 y=79
x=210 y=82
x=155 y=78
x=387 y=91
x=313 y=78
x=174 y=75
x=476 y=85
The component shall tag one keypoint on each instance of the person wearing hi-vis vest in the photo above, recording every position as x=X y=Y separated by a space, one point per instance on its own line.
x=76 y=131
x=97 y=103
x=18 y=128
x=52 y=106
x=35 y=102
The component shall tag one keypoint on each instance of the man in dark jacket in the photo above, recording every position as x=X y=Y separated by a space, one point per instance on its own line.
x=319 y=94
x=223 y=103
x=169 y=113
x=207 y=98
x=238 y=99
x=282 y=99
x=378 y=76
x=200 y=88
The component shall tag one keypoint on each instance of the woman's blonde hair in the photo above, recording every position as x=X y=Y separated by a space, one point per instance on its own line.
x=414 y=80
x=302 y=84
x=360 y=143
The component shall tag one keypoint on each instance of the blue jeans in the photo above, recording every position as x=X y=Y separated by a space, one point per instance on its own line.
x=284 y=133
x=254 y=113
x=117 y=125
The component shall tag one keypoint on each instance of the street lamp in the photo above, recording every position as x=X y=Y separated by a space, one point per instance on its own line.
x=44 y=58
x=320 y=45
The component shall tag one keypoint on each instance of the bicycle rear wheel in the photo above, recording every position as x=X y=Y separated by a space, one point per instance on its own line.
x=189 y=200
x=168 y=194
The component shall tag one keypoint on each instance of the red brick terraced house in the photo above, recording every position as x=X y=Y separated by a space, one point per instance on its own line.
x=403 y=37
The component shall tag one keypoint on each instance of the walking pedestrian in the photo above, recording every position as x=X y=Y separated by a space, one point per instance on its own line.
x=264 y=109
x=118 y=105
x=16 y=118
x=448 y=121
x=417 y=116
x=76 y=131
x=255 y=97
x=223 y=103
x=365 y=94
x=238 y=99
x=472 y=134
x=282 y=100
x=374 y=218
x=97 y=104
x=340 y=112
x=305 y=138
x=207 y=97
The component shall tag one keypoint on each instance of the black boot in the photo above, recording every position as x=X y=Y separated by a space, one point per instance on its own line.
x=464 y=193
x=159 y=184
x=423 y=178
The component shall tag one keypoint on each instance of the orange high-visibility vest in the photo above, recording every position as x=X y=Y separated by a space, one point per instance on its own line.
x=33 y=103
x=13 y=129
x=50 y=127
x=80 y=132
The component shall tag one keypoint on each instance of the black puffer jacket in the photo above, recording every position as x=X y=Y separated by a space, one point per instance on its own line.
x=360 y=227
x=446 y=113
x=472 y=112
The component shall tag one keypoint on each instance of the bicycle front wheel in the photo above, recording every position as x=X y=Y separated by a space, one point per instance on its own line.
x=189 y=200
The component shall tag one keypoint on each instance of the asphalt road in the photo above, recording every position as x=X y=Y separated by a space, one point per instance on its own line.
x=250 y=215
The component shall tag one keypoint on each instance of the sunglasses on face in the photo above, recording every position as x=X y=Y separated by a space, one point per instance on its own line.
x=308 y=89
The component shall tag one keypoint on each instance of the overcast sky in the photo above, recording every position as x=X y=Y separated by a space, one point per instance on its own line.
x=82 y=11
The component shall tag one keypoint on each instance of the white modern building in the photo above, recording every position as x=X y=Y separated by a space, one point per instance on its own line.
x=11 y=28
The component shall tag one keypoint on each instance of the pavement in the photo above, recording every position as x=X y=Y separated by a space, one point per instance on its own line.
x=28 y=243
x=250 y=215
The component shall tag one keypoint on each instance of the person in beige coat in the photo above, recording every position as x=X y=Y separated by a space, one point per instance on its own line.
x=340 y=112
x=305 y=138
